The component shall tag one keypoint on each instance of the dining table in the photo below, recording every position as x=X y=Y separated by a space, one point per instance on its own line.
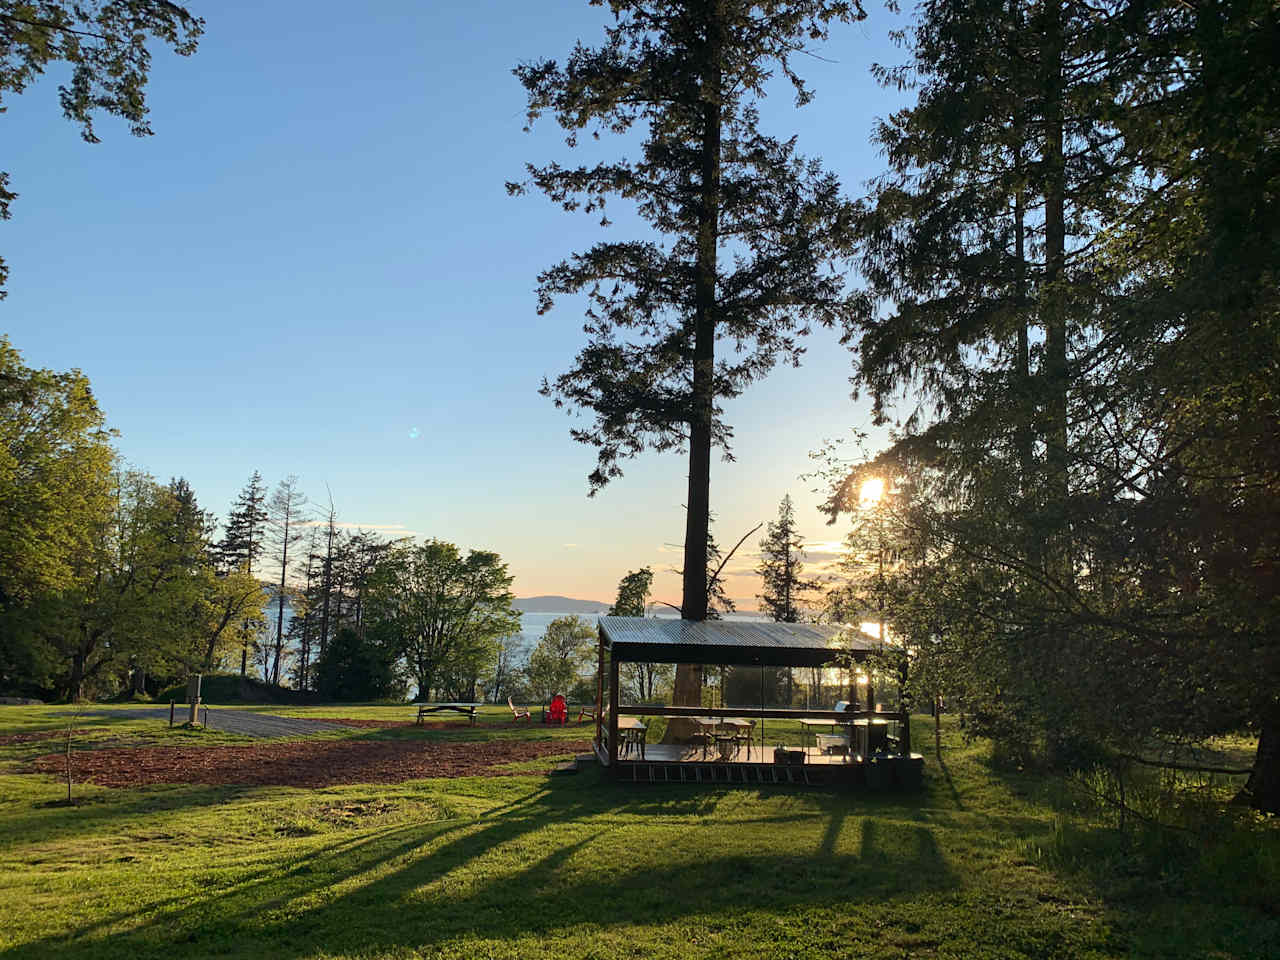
x=711 y=727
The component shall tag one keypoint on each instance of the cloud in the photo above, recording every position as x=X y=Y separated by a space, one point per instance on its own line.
x=568 y=546
x=395 y=529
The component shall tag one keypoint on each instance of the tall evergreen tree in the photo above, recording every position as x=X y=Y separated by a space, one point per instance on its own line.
x=746 y=231
x=243 y=539
x=633 y=594
x=782 y=567
x=243 y=542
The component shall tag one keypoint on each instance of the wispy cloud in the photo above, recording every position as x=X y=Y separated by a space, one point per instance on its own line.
x=395 y=529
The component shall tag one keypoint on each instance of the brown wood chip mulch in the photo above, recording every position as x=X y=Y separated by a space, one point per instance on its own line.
x=306 y=764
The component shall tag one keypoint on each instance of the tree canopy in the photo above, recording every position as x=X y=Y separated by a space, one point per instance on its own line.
x=1056 y=270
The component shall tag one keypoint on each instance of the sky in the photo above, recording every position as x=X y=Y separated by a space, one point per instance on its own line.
x=313 y=268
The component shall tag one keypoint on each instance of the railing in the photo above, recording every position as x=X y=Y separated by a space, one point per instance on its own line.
x=768 y=713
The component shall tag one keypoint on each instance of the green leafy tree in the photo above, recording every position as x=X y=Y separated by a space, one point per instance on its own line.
x=359 y=668
x=56 y=495
x=132 y=604
x=108 y=46
x=55 y=476
x=439 y=605
x=782 y=567
x=561 y=657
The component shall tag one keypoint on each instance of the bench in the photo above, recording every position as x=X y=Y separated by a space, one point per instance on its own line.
x=466 y=709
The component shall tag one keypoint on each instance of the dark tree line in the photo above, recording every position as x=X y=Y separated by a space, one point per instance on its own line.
x=1071 y=310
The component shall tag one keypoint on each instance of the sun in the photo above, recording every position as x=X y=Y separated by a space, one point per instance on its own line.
x=871 y=491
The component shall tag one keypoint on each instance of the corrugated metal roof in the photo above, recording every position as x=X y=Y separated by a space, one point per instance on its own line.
x=730 y=641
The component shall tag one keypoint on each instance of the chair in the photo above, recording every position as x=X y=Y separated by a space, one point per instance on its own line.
x=558 y=711
x=832 y=743
x=836 y=743
x=742 y=736
x=630 y=740
x=517 y=713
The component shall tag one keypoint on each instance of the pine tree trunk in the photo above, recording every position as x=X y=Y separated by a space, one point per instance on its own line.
x=1262 y=791
x=693 y=604
x=1055 y=319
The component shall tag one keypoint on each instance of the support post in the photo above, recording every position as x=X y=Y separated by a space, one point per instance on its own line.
x=613 y=711
x=904 y=742
x=599 y=685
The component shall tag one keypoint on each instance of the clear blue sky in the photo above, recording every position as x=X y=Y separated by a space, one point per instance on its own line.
x=315 y=255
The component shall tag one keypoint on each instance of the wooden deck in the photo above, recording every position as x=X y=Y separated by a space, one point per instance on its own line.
x=672 y=764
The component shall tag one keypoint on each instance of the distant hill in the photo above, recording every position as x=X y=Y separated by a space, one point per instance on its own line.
x=559 y=605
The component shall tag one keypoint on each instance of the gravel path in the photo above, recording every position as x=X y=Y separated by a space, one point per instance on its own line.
x=232 y=721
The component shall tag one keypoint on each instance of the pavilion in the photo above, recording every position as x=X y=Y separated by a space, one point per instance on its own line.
x=862 y=757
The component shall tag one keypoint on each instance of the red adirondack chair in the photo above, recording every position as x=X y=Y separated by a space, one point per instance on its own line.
x=558 y=712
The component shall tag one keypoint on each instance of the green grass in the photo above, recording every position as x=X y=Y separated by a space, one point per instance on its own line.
x=982 y=863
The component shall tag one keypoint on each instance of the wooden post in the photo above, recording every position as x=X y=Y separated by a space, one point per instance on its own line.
x=613 y=710
x=599 y=686
x=170 y=713
x=904 y=743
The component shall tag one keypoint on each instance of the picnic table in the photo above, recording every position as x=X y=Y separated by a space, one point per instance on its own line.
x=466 y=709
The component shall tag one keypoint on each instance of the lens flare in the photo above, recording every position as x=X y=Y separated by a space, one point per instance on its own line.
x=414 y=433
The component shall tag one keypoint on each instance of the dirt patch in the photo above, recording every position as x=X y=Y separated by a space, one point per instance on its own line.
x=13 y=738
x=307 y=764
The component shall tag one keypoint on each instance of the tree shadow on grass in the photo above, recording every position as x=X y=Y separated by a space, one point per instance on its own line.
x=575 y=854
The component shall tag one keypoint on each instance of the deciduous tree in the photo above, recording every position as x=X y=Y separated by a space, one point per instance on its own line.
x=560 y=657
x=438 y=604
x=286 y=516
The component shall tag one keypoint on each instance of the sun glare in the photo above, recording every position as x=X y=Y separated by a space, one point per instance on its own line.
x=871 y=491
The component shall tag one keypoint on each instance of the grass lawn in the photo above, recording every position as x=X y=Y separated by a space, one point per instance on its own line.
x=980 y=864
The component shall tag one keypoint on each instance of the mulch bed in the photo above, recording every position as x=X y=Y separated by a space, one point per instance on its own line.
x=306 y=764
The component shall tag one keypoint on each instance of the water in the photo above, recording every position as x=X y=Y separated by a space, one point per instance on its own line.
x=533 y=626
